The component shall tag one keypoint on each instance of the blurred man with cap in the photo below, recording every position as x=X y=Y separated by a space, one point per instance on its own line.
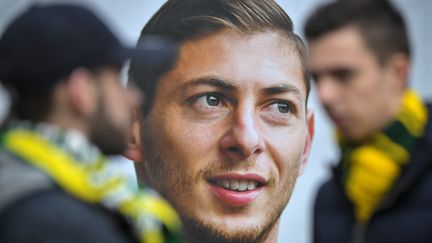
x=61 y=65
x=359 y=55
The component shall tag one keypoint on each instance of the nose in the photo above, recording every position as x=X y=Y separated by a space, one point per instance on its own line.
x=327 y=91
x=243 y=139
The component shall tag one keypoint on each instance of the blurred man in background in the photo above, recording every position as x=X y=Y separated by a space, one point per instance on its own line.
x=226 y=131
x=61 y=65
x=359 y=56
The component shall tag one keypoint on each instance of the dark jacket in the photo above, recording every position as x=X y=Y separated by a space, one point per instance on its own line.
x=404 y=216
x=34 y=209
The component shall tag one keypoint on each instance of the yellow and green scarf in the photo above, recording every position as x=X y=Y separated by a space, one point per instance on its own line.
x=370 y=169
x=80 y=169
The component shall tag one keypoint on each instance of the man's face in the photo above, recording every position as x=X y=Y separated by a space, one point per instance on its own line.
x=110 y=122
x=359 y=94
x=228 y=134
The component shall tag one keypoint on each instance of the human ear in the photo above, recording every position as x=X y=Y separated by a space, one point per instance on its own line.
x=399 y=65
x=81 y=92
x=310 y=123
x=133 y=149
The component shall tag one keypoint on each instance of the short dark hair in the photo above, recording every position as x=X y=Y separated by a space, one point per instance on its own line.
x=380 y=24
x=183 y=20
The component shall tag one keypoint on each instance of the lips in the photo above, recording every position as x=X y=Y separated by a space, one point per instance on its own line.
x=237 y=189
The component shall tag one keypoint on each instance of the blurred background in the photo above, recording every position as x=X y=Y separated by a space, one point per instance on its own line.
x=127 y=17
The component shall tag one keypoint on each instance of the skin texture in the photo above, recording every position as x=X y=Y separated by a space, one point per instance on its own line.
x=232 y=104
x=359 y=94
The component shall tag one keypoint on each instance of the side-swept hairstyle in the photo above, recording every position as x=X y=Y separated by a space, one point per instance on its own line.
x=185 y=20
x=380 y=24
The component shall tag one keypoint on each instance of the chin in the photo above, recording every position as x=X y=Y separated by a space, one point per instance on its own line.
x=227 y=229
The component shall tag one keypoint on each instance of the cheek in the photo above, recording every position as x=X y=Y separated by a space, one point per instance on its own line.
x=370 y=83
x=122 y=114
x=370 y=96
x=116 y=98
x=286 y=149
x=193 y=144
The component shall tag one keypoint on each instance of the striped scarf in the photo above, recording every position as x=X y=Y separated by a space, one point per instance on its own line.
x=370 y=169
x=81 y=170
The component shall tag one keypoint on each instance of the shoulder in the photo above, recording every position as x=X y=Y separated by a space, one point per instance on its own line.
x=19 y=179
x=332 y=215
x=54 y=216
x=330 y=193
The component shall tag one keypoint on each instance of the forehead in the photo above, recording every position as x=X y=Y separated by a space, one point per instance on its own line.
x=259 y=59
x=343 y=47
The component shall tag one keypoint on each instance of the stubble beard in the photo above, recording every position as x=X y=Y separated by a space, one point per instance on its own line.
x=108 y=137
x=170 y=179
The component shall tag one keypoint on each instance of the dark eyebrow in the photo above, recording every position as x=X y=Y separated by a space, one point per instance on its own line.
x=337 y=72
x=282 y=88
x=210 y=81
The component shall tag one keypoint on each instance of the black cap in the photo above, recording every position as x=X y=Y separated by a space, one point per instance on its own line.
x=46 y=43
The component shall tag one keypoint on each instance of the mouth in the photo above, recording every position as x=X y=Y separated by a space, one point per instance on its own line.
x=237 y=189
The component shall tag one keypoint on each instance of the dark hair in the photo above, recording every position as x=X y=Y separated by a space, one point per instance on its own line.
x=380 y=24
x=35 y=107
x=184 y=20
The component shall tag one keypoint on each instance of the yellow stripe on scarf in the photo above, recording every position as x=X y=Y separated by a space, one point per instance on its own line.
x=391 y=149
x=93 y=183
x=413 y=113
x=52 y=160
x=373 y=175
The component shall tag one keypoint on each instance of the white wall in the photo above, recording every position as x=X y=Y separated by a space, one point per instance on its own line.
x=128 y=17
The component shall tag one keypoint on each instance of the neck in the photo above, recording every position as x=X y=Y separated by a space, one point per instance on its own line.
x=394 y=108
x=388 y=115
